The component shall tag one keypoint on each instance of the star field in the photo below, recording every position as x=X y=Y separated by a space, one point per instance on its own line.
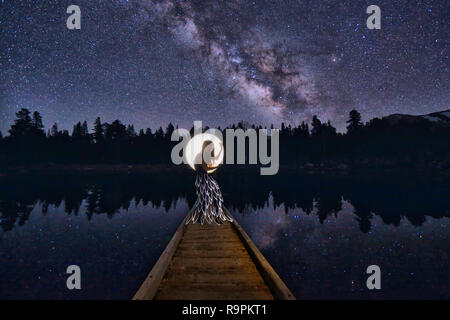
x=153 y=62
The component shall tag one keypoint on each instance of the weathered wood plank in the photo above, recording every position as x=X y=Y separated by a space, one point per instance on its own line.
x=212 y=262
x=272 y=279
x=221 y=270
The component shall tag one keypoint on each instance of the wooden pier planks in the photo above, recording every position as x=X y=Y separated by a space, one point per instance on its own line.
x=211 y=262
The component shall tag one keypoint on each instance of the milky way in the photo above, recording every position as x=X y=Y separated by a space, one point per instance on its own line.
x=260 y=70
x=152 y=62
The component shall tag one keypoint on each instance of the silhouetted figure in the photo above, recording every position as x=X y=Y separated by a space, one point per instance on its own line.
x=209 y=205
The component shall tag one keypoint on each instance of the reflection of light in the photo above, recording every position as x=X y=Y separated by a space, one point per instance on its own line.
x=193 y=151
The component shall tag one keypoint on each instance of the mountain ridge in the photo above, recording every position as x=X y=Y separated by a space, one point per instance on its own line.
x=439 y=118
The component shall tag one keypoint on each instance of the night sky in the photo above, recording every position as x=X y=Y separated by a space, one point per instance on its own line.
x=154 y=62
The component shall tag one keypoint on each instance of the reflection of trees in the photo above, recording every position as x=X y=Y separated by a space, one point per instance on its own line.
x=329 y=201
x=98 y=194
x=12 y=213
x=391 y=198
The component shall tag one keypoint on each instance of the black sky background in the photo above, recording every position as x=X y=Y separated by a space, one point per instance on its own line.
x=154 y=62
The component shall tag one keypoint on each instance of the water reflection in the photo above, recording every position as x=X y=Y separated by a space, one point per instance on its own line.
x=328 y=260
x=390 y=198
x=105 y=194
x=319 y=233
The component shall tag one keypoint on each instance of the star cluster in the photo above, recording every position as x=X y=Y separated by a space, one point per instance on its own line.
x=151 y=62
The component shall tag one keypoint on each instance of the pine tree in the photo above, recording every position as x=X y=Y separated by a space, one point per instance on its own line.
x=354 y=122
x=170 y=129
x=65 y=134
x=22 y=125
x=131 y=133
x=84 y=129
x=98 y=130
x=304 y=129
x=330 y=130
x=316 y=126
x=54 y=131
x=36 y=123
x=76 y=132
x=159 y=134
x=116 y=131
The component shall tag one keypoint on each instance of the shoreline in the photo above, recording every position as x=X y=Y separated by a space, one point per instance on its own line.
x=307 y=169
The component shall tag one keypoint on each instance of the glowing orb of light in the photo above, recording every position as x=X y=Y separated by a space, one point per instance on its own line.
x=193 y=150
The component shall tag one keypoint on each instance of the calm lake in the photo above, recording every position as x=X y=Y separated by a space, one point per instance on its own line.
x=320 y=233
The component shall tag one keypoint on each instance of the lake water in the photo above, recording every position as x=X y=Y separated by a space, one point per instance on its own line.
x=319 y=233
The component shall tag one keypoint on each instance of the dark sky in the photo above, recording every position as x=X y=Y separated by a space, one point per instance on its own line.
x=153 y=62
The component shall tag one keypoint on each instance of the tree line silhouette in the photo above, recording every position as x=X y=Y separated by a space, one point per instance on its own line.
x=415 y=197
x=417 y=142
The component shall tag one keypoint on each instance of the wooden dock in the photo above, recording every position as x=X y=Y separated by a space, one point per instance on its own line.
x=212 y=262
